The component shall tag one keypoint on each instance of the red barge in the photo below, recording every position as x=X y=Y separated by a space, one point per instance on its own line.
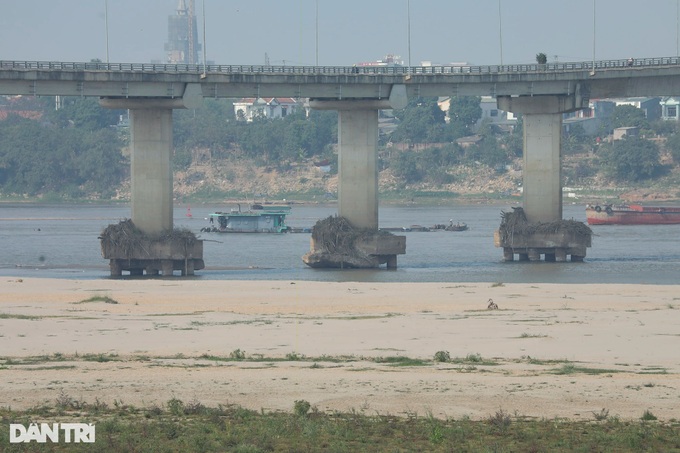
x=631 y=215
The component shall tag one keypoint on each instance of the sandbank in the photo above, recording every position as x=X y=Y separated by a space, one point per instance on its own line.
x=549 y=350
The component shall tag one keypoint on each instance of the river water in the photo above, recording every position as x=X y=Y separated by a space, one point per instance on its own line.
x=61 y=241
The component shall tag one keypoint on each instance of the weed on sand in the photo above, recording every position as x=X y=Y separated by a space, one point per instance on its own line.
x=194 y=427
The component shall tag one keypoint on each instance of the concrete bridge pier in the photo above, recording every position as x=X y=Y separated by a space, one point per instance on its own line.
x=358 y=181
x=542 y=175
x=151 y=197
x=151 y=169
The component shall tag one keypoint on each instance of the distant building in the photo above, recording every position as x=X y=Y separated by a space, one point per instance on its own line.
x=182 y=46
x=651 y=106
x=24 y=106
x=621 y=132
x=389 y=60
x=591 y=118
x=247 y=109
x=490 y=112
x=670 y=108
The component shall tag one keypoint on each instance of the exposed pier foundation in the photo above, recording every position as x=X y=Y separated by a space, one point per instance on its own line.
x=554 y=247
x=336 y=243
x=555 y=241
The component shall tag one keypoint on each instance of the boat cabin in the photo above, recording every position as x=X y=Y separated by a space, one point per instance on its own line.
x=259 y=220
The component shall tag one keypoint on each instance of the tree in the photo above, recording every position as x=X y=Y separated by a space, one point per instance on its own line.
x=464 y=113
x=673 y=146
x=628 y=116
x=574 y=141
x=38 y=159
x=422 y=121
x=514 y=143
x=488 y=151
x=85 y=113
x=631 y=159
x=404 y=165
x=541 y=58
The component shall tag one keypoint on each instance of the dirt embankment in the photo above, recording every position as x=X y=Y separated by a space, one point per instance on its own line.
x=242 y=177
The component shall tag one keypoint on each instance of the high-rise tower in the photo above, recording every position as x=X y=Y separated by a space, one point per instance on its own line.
x=182 y=45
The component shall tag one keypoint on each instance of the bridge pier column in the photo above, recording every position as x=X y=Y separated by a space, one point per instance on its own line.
x=151 y=172
x=358 y=173
x=358 y=167
x=542 y=173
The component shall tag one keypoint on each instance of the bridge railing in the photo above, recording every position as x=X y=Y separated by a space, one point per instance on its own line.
x=342 y=70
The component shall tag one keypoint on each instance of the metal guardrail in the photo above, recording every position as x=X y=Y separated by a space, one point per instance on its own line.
x=340 y=70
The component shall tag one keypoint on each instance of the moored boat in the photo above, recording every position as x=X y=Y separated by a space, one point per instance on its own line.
x=633 y=214
x=258 y=219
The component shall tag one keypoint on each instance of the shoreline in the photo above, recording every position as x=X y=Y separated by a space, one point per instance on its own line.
x=550 y=350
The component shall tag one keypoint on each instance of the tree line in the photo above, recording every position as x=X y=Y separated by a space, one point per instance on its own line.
x=76 y=151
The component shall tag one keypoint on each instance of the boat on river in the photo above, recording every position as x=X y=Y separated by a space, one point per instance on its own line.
x=257 y=219
x=459 y=226
x=633 y=214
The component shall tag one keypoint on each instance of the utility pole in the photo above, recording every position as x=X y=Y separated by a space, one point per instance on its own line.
x=191 y=17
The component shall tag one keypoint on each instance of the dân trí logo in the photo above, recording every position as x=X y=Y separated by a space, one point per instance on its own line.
x=55 y=432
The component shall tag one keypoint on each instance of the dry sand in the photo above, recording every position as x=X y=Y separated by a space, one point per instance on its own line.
x=622 y=343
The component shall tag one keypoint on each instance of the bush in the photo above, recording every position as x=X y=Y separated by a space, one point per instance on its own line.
x=301 y=407
x=631 y=159
x=442 y=356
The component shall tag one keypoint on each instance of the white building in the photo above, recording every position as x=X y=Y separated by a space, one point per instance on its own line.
x=670 y=109
x=247 y=109
x=490 y=112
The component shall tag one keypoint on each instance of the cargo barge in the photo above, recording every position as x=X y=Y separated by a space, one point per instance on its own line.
x=633 y=214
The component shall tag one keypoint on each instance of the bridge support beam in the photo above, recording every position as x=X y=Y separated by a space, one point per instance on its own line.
x=358 y=174
x=542 y=172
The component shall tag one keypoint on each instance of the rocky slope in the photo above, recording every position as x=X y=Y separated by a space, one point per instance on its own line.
x=243 y=178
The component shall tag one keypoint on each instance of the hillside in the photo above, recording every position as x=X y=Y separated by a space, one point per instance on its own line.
x=242 y=178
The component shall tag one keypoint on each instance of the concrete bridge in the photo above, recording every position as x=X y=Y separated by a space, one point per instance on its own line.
x=542 y=93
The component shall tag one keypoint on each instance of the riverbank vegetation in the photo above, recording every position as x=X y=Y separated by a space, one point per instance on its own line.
x=81 y=151
x=189 y=426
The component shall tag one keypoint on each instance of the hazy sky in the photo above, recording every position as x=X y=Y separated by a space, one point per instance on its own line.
x=350 y=31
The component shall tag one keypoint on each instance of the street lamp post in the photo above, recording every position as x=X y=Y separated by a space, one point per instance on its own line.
x=594 y=33
x=106 y=19
x=500 y=30
x=408 y=31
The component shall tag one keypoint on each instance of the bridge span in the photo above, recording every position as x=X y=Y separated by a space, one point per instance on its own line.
x=542 y=93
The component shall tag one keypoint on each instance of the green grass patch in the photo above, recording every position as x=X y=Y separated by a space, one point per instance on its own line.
x=13 y=316
x=473 y=359
x=570 y=368
x=531 y=335
x=402 y=361
x=101 y=358
x=105 y=299
x=194 y=427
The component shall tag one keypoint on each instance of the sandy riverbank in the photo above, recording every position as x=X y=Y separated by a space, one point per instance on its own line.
x=549 y=350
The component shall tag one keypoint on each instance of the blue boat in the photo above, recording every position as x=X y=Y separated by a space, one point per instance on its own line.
x=258 y=219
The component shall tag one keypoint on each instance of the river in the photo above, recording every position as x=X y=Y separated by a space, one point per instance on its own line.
x=61 y=241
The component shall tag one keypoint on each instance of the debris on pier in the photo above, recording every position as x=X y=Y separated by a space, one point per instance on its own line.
x=555 y=240
x=132 y=250
x=337 y=243
x=516 y=222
